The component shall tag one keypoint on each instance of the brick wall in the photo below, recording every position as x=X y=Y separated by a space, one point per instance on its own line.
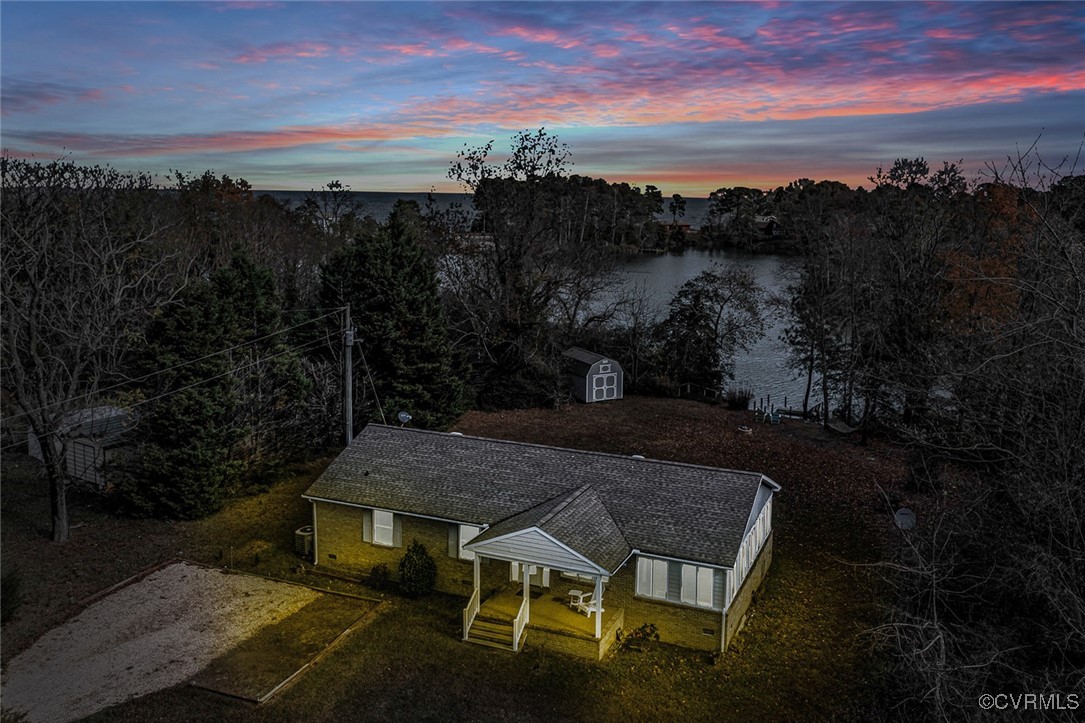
x=736 y=614
x=571 y=643
x=678 y=624
x=339 y=533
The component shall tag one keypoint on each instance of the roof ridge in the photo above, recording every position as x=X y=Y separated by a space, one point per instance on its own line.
x=649 y=460
x=572 y=496
x=565 y=502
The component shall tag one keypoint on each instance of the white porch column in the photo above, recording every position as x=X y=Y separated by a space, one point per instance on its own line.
x=315 y=537
x=527 y=592
x=598 y=606
x=478 y=577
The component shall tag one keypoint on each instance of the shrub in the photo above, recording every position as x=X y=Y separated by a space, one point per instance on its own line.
x=636 y=638
x=10 y=595
x=417 y=571
x=739 y=398
x=379 y=577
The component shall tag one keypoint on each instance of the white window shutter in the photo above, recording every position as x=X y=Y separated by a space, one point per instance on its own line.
x=644 y=576
x=367 y=525
x=689 y=584
x=659 y=578
x=704 y=586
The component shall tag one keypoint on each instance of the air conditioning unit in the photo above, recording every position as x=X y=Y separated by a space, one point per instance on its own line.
x=303 y=542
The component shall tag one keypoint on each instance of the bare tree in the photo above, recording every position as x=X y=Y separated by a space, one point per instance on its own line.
x=527 y=268
x=80 y=277
x=995 y=600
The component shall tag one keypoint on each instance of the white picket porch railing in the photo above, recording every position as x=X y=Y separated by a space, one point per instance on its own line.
x=520 y=623
x=470 y=612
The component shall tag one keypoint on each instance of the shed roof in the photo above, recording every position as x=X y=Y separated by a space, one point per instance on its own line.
x=602 y=505
x=583 y=355
x=105 y=424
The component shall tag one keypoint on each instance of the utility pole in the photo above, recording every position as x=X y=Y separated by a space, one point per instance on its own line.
x=348 y=391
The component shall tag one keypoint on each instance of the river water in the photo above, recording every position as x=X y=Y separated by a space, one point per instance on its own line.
x=763 y=368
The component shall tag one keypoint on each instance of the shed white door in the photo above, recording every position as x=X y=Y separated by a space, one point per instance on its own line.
x=604 y=386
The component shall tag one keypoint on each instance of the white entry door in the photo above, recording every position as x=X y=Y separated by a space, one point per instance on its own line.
x=604 y=386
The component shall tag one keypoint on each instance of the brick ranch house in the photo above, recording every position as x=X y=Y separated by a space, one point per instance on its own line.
x=527 y=531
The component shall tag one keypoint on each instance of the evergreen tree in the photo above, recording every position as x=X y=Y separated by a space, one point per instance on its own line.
x=391 y=285
x=268 y=374
x=182 y=467
x=216 y=418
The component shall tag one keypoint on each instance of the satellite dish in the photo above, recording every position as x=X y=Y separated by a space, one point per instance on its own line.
x=904 y=518
x=403 y=417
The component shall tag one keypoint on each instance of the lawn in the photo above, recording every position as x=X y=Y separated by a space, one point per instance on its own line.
x=803 y=654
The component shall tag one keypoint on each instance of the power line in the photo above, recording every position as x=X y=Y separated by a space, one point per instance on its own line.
x=313 y=343
x=175 y=366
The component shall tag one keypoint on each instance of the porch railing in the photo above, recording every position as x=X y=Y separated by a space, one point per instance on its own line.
x=520 y=623
x=470 y=612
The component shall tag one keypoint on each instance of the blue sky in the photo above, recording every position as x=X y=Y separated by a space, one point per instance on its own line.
x=686 y=96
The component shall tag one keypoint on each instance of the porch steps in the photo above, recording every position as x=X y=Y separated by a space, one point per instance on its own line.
x=492 y=633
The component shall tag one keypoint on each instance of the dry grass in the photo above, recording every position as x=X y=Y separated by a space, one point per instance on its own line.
x=802 y=655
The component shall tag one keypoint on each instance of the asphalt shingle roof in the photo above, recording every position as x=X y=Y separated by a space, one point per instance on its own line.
x=579 y=519
x=601 y=505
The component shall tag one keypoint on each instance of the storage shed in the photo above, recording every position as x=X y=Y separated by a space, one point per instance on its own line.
x=594 y=377
x=92 y=438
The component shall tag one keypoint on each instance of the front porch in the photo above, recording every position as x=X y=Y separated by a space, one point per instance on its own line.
x=552 y=623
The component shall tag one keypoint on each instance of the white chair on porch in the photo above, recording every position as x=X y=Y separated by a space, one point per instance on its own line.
x=588 y=605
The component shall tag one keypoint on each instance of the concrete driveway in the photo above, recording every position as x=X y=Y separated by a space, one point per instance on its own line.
x=150 y=635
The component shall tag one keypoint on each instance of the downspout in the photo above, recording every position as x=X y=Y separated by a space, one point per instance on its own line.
x=315 y=537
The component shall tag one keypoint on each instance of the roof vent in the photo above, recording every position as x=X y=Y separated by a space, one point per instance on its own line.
x=456 y=434
x=638 y=456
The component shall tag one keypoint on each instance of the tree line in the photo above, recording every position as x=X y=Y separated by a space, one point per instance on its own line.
x=940 y=312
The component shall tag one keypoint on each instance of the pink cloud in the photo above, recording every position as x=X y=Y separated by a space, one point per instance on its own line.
x=542 y=35
x=713 y=37
x=464 y=45
x=858 y=23
x=228 y=141
x=412 y=49
x=283 y=51
x=247 y=5
x=949 y=34
x=28 y=97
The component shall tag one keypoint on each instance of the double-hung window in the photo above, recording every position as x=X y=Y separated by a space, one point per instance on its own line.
x=383 y=528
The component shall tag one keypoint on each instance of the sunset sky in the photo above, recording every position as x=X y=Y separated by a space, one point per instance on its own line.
x=686 y=96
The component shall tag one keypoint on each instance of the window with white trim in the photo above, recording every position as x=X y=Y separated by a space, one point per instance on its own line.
x=697 y=583
x=652 y=578
x=467 y=533
x=383 y=528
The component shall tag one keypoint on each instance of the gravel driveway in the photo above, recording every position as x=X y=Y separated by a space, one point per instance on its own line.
x=150 y=635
